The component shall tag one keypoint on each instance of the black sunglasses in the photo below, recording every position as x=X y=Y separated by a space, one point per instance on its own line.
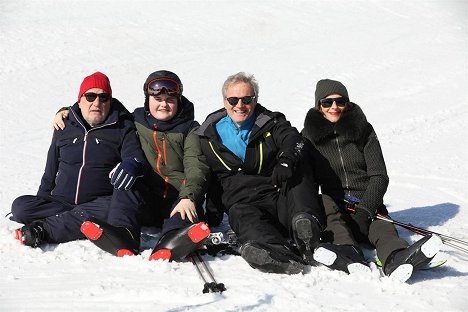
x=245 y=100
x=91 y=96
x=340 y=102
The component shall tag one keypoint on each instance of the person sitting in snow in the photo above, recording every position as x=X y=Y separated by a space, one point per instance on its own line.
x=347 y=160
x=174 y=190
x=99 y=138
x=259 y=180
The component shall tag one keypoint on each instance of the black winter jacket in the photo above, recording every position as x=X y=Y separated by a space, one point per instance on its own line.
x=348 y=158
x=80 y=159
x=249 y=180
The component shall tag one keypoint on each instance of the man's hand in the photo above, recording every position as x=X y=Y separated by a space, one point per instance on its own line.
x=186 y=208
x=58 y=123
x=282 y=172
x=125 y=174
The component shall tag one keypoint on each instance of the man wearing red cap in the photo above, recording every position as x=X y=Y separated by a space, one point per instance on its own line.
x=99 y=142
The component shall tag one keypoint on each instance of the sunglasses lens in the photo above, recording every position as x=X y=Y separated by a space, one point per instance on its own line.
x=90 y=97
x=159 y=85
x=245 y=100
x=326 y=102
x=233 y=100
x=341 y=102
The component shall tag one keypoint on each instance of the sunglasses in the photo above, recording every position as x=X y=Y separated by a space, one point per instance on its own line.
x=160 y=85
x=340 y=102
x=245 y=99
x=91 y=96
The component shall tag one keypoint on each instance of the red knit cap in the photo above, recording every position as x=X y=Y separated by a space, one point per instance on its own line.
x=96 y=80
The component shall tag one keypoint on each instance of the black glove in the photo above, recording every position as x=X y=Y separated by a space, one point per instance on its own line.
x=363 y=220
x=282 y=171
x=125 y=174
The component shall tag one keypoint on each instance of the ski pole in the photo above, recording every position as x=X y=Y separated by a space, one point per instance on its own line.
x=212 y=286
x=453 y=242
x=447 y=240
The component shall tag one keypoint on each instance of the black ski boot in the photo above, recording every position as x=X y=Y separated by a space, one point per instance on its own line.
x=306 y=234
x=271 y=258
x=178 y=244
x=116 y=240
x=401 y=263
x=346 y=258
x=33 y=234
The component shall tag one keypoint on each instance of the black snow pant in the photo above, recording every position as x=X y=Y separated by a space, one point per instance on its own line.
x=268 y=219
x=63 y=220
x=342 y=230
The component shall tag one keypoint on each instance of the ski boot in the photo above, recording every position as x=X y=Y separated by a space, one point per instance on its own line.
x=33 y=234
x=271 y=258
x=116 y=240
x=306 y=234
x=346 y=258
x=401 y=263
x=178 y=244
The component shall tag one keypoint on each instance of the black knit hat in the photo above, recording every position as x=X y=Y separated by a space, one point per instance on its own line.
x=325 y=87
x=160 y=74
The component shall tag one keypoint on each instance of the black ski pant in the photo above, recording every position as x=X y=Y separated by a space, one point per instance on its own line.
x=63 y=220
x=268 y=219
x=342 y=230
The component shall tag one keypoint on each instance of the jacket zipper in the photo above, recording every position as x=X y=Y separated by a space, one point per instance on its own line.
x=85 y=145
x=342 y=161
x=162 y=156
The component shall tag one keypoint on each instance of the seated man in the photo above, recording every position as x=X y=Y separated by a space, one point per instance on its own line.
x=255 y=155
x=75 y=188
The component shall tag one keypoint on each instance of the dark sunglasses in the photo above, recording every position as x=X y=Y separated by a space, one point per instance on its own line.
x=160 y=85
x=91 y=96
x=245 y=99
x=340 y=102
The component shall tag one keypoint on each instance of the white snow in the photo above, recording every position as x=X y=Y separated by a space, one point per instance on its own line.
x=404 y=62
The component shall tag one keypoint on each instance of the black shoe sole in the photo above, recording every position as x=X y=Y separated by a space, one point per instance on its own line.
x=262 y=260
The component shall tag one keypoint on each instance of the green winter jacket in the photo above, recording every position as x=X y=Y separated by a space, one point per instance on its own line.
x=174 y=153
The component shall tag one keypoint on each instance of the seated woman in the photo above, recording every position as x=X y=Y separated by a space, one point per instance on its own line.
x=348 y=160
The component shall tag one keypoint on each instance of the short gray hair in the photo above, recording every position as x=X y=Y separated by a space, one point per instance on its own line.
x=241 y=77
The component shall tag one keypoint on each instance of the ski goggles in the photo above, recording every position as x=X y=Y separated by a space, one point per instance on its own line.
x=91 y=96
x=160 y=85
x=245 y=99
x=340 y=102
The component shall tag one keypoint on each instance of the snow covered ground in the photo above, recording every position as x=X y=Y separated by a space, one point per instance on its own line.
x=404 y=62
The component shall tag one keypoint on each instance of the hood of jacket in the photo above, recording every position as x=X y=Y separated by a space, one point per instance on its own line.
x=351 y=126
x=182 y=122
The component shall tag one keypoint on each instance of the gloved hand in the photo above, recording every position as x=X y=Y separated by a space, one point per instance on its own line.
x=282 y=171
x=363 y=219
x=125 y=174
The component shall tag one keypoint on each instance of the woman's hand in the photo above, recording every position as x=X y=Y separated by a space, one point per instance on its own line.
x=58 y=123
x=186 y=208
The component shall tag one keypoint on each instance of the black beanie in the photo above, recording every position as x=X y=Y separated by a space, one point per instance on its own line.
x=325 y=87
x=160 y=74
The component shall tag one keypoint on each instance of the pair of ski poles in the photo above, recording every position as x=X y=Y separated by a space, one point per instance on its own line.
x=453 y=242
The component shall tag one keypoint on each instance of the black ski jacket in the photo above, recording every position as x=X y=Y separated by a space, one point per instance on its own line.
x=347 y=158
x=80 y=158
x=249 y=180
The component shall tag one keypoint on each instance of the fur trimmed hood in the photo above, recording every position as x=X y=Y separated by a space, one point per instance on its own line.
x=352 y=125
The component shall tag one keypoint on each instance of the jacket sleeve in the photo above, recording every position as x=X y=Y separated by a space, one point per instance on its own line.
x=288 y=140
x=196 y=170
x=131 y=147
x=51 y=169
x=376 y=171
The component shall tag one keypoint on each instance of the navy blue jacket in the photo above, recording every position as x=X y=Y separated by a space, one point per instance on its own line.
x=80 y=158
